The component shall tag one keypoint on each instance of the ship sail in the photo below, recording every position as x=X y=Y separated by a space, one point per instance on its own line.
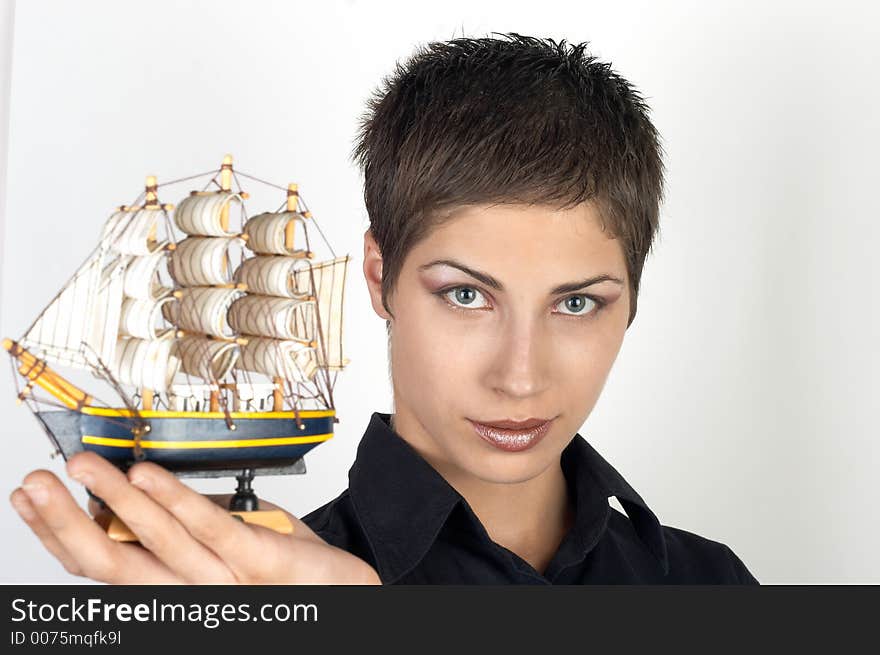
x=202 y=267
x=82 y=320
x=221 y=300
x=291 y=314
x=328 y=278
x=115 y=296
x=276 y=318
x=145 y=356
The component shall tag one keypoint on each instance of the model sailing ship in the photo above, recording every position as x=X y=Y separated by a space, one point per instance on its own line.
x=223 y=346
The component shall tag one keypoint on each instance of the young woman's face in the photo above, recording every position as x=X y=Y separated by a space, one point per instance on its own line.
x=463 y=350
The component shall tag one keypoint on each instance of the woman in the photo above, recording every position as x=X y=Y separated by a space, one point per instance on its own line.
x=513 y=187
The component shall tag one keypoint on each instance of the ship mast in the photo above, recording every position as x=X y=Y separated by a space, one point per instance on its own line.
x=208 y=346
x=278 y=314
x=289 y=233
x=226 y=186
x=151 y=201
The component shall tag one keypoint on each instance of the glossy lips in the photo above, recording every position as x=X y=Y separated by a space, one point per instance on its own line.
x=513 y=439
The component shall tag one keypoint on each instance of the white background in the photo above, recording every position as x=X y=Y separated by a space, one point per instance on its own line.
x=742 y=405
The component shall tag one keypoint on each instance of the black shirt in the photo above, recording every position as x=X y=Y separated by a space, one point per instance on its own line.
x=400 y=515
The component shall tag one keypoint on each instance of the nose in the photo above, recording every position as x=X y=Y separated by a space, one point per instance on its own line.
x=521 y=363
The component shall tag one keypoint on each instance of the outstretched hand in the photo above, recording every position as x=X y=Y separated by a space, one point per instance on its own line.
x=185 y=537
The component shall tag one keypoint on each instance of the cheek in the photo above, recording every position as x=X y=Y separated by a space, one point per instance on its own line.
x=582 y=359
x=452 y=354
x=429 y=353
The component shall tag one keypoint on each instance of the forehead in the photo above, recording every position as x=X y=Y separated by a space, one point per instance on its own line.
x=526 y=236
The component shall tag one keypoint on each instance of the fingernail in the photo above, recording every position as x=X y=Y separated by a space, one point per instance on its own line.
x=83 y=478
x=23 y=509
x=141 y=483
x=38 y=494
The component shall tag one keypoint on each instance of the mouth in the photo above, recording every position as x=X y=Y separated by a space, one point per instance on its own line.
x=513 y=435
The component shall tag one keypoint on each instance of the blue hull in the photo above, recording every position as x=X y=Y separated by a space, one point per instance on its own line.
x=192 y=440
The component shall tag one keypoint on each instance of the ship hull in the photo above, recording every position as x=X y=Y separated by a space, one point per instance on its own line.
x=192 y=441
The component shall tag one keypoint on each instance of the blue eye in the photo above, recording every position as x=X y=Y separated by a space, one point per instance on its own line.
x=581 y=301
x=465 y=298
x=464 y=295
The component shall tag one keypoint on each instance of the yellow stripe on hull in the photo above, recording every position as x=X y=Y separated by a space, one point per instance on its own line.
x=183 y=445
x=156 y=413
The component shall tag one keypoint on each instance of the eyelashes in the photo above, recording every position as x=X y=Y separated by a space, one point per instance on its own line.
x=443 y=294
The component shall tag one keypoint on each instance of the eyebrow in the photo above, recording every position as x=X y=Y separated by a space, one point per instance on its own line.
x=488 y=280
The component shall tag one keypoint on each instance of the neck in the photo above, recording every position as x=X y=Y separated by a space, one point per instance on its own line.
x=529 y=518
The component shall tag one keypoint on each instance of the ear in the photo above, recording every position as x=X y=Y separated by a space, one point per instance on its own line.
x=373 y=273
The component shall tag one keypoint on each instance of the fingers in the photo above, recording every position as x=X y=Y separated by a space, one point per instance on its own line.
x=211 y=525
x=58 y=515
x=27 y=512
x=253 y=553
x=157 y=530
x=78 y=542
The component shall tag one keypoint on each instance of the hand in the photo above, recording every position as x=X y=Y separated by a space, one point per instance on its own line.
x=185 y=537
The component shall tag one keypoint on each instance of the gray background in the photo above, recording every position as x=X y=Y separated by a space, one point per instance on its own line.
x=742 y=403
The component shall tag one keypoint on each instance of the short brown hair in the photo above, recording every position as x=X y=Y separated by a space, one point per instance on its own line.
x=511 y=120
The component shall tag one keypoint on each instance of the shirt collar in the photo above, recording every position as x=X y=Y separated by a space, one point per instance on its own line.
x=581 y=459
x=402 y=502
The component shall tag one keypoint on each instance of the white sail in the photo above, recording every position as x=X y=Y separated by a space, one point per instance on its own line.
x=134 y=231
x=329 y=284
x=146 y=363
x=142 y=318
x=268 y=232
x=290 y=360
x=142 y=276
x=272 y=276
x=267 y=316
x=204 y=310
x=201 y=264
x=209 y=359
x=83 y=319
x=203 y=261
x=120 y=301
x=202 y=213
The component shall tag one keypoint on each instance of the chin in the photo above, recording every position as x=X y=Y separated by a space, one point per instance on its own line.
x=491 y=465
x=509 y=472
